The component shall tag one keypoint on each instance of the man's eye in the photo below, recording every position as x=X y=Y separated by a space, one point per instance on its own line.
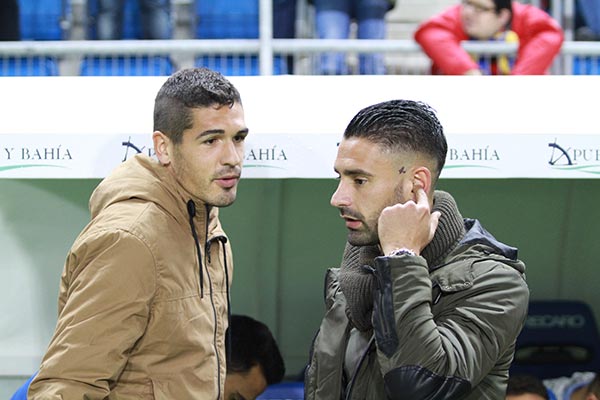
x=210 y=141
x=239 y=138
x=360 y=181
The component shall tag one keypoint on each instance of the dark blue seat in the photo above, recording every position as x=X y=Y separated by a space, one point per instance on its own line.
x=127 y=66
x=239 y=65
x=560 y=337
x=283 y=391
x=227 y=19
x=231 y=19
x=41 y=19
x=28 y=66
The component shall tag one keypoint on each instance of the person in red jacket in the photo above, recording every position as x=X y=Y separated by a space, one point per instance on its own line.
x=539 y=38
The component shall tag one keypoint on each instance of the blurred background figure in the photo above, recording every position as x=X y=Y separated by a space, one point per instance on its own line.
x=284 y=25
x=589 y=13
x=579 y=386
x=526 y=387
x=154 y=15
x=333 y=19
x=10 y=29
x=255 y=361
x=539 y=38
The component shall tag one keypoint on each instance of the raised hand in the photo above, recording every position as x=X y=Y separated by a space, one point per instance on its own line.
x=410 y=225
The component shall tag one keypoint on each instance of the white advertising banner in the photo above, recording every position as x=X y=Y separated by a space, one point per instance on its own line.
x=497 y=127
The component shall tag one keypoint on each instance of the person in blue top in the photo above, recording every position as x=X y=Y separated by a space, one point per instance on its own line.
x=579 y=386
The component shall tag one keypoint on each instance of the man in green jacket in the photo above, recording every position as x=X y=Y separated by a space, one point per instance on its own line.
x=426 y=304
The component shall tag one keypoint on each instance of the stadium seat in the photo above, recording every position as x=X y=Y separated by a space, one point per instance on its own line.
x=41 y=19
x=21 y=393
x=239 y=65
x=559 y=338
x=231 y=19
x=283 y=391
x=586 y=65
x=28 y=66
x=227 y=19
x=127 y=66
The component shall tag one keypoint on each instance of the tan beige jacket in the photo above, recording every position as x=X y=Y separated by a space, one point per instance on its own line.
x=133 y=320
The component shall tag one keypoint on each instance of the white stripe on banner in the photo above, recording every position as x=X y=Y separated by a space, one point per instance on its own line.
x=497 y=127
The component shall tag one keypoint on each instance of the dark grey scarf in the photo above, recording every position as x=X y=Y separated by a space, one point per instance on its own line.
x=358 y=285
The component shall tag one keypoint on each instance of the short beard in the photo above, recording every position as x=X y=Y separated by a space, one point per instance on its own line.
x=369 y=238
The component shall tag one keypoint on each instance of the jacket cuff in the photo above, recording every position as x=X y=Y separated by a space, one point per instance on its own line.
x=384 y=319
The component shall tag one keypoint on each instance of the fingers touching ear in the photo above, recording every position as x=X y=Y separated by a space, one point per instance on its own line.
x=422 y=179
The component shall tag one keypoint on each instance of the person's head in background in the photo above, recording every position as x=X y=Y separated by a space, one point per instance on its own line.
x=593 y=392
x=525 y=387
x=483 y=19
x=255 y=361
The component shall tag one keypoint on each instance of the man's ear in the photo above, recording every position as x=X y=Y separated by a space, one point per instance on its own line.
x=505 y=16
x=422 y=179
x=162 y=147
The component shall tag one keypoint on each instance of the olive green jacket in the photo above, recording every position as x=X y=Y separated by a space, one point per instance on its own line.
x=439 y=332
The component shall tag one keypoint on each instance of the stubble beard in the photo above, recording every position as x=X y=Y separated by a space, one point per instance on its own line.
x=367 y=237
x=224 y=197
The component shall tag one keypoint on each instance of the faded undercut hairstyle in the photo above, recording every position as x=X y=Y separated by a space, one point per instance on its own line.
x=187 y=89
x=402 y=125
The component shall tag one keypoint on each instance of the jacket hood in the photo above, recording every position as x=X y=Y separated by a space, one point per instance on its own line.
x=476 y=234
x=480 y=240
x=143 y=178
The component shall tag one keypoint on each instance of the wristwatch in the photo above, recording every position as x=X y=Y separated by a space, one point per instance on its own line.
x=401 y=252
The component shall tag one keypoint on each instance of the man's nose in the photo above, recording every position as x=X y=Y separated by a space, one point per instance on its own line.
x=340 y=198
x=232 y=154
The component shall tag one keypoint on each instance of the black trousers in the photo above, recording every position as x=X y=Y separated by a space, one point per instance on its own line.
x=10 y=28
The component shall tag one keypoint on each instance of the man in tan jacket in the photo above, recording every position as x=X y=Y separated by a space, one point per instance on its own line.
x=144 y=295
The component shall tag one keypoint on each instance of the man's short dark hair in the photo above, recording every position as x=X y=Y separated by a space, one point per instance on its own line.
x=186 y=89
x=526 y=384
x=402 y=125
x=253 y=344
x=503 y=4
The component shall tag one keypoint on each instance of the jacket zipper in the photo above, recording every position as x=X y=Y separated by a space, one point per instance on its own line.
x=192 y=212
x=207 y=258
x=214 y=308
x=380 y=285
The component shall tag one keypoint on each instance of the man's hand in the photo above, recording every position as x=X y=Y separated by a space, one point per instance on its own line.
x=410 y=225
